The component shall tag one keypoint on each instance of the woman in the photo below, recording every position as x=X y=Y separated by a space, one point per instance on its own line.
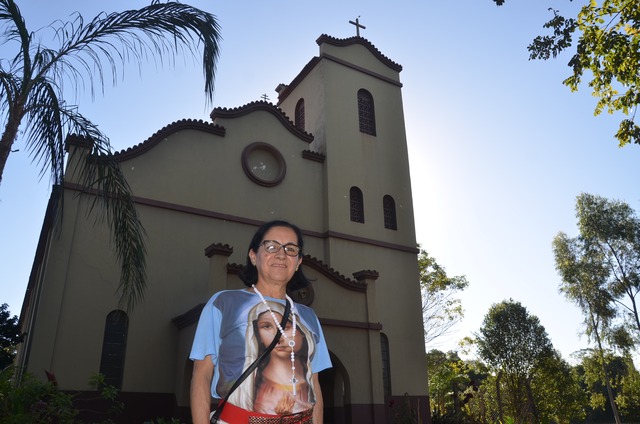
x=236 y=323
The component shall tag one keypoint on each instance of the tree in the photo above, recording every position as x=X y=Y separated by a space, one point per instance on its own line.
x=558 y=391
x=603 y=262
x=10 y=336
x=441 y=310
x=514 y=345
x=582 y=282
x=32 y=98
x=608 y=48
x=453 y=386
x=600 y=271
x=624 y=379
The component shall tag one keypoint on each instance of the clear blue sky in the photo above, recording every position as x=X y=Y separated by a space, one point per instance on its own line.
x=499 y=148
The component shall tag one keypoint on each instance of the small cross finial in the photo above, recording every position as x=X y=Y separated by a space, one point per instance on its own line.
x=358 y=26
x=265 y=97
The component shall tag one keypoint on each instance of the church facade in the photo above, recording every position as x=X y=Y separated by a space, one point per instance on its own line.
x=331 y=157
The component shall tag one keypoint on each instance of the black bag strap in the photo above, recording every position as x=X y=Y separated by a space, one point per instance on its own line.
x=216 y=415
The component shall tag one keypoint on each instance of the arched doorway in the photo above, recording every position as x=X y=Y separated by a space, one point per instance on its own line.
x=336 y=393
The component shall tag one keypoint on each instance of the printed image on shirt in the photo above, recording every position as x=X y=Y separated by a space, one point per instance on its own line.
x=278 y=385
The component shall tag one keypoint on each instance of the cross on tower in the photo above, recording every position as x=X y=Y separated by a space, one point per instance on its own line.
x=358 y=26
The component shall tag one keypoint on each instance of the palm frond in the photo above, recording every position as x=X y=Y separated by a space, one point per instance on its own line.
x=8 y=90
x=116 y=207
x=45 y=129
x=100 y=174
x=16 y=29
x=160 y=31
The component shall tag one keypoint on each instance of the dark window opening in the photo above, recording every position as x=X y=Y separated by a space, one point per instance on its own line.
x=114 y=346
x=299 y=115
x=357 y=205
x=389 y=209
x=366 y=112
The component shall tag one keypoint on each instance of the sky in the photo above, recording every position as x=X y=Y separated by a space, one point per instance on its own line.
x=499 y=148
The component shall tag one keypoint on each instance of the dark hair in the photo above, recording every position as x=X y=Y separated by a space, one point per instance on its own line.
x=249 y=273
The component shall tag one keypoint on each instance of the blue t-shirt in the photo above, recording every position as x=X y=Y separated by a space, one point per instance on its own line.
x=234 y=328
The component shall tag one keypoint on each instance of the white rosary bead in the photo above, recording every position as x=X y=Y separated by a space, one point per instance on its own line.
x=291 y=342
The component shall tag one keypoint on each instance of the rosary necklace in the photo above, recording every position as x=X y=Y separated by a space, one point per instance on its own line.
x=290 y=341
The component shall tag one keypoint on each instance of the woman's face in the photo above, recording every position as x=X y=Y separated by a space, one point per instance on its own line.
x=276 y=268
x=267 y=329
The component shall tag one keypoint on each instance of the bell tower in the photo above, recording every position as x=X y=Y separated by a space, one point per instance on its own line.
x=349 y=98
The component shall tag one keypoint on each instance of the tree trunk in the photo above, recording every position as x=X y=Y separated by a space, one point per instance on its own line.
x=612 y=400
x=499 y=397
x=532 y=404
x=9 y=137
x=635 y=311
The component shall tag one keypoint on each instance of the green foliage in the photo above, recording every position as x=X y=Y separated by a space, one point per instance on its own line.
x=468 y=392
x=559 y=394
x=33 y=401
x=600 y=269
x=513 y=341
x=455 y=387
x=608 y=49
x=624 y=379
x=629 y=397
x=514 y=345
x=10 y=336
x=441 y=310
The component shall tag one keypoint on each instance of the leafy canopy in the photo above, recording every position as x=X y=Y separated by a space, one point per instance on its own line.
x=607 y=50
x=441 y=309
x=513 y=341
x=600 y=269
x=10 y=336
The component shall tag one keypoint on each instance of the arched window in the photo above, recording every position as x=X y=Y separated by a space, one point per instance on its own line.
x=357 y=204
x=366 y=112
x=114 y=346
x=299 y=118
x=386 y=364
x=389 y=209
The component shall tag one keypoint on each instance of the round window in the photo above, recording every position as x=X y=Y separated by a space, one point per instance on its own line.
x=263 y=164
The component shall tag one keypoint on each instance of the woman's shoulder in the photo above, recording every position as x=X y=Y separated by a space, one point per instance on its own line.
x=226 y=296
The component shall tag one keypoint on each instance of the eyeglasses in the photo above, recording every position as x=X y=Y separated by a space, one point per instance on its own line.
x=272 y=246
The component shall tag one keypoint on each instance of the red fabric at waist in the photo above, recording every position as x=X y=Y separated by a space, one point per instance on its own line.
x=235 y=415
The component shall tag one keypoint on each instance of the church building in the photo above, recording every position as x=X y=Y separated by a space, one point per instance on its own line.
x=331 y=157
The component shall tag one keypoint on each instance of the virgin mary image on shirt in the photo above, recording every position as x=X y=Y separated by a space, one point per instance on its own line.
x=280 y=384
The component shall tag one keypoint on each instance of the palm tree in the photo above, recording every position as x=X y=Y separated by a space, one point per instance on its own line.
x=31 y=98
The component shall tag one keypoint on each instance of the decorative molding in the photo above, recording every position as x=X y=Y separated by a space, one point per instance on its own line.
x=343 y=42
x=189 y=317
x=315 y=156
x=366 y=275
x=162 y=134
x=361 y=69
x=248 y=221
x=266 y=107
x=234 y=269
x=218 y=249
x=333 y=275
x=284 y=90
